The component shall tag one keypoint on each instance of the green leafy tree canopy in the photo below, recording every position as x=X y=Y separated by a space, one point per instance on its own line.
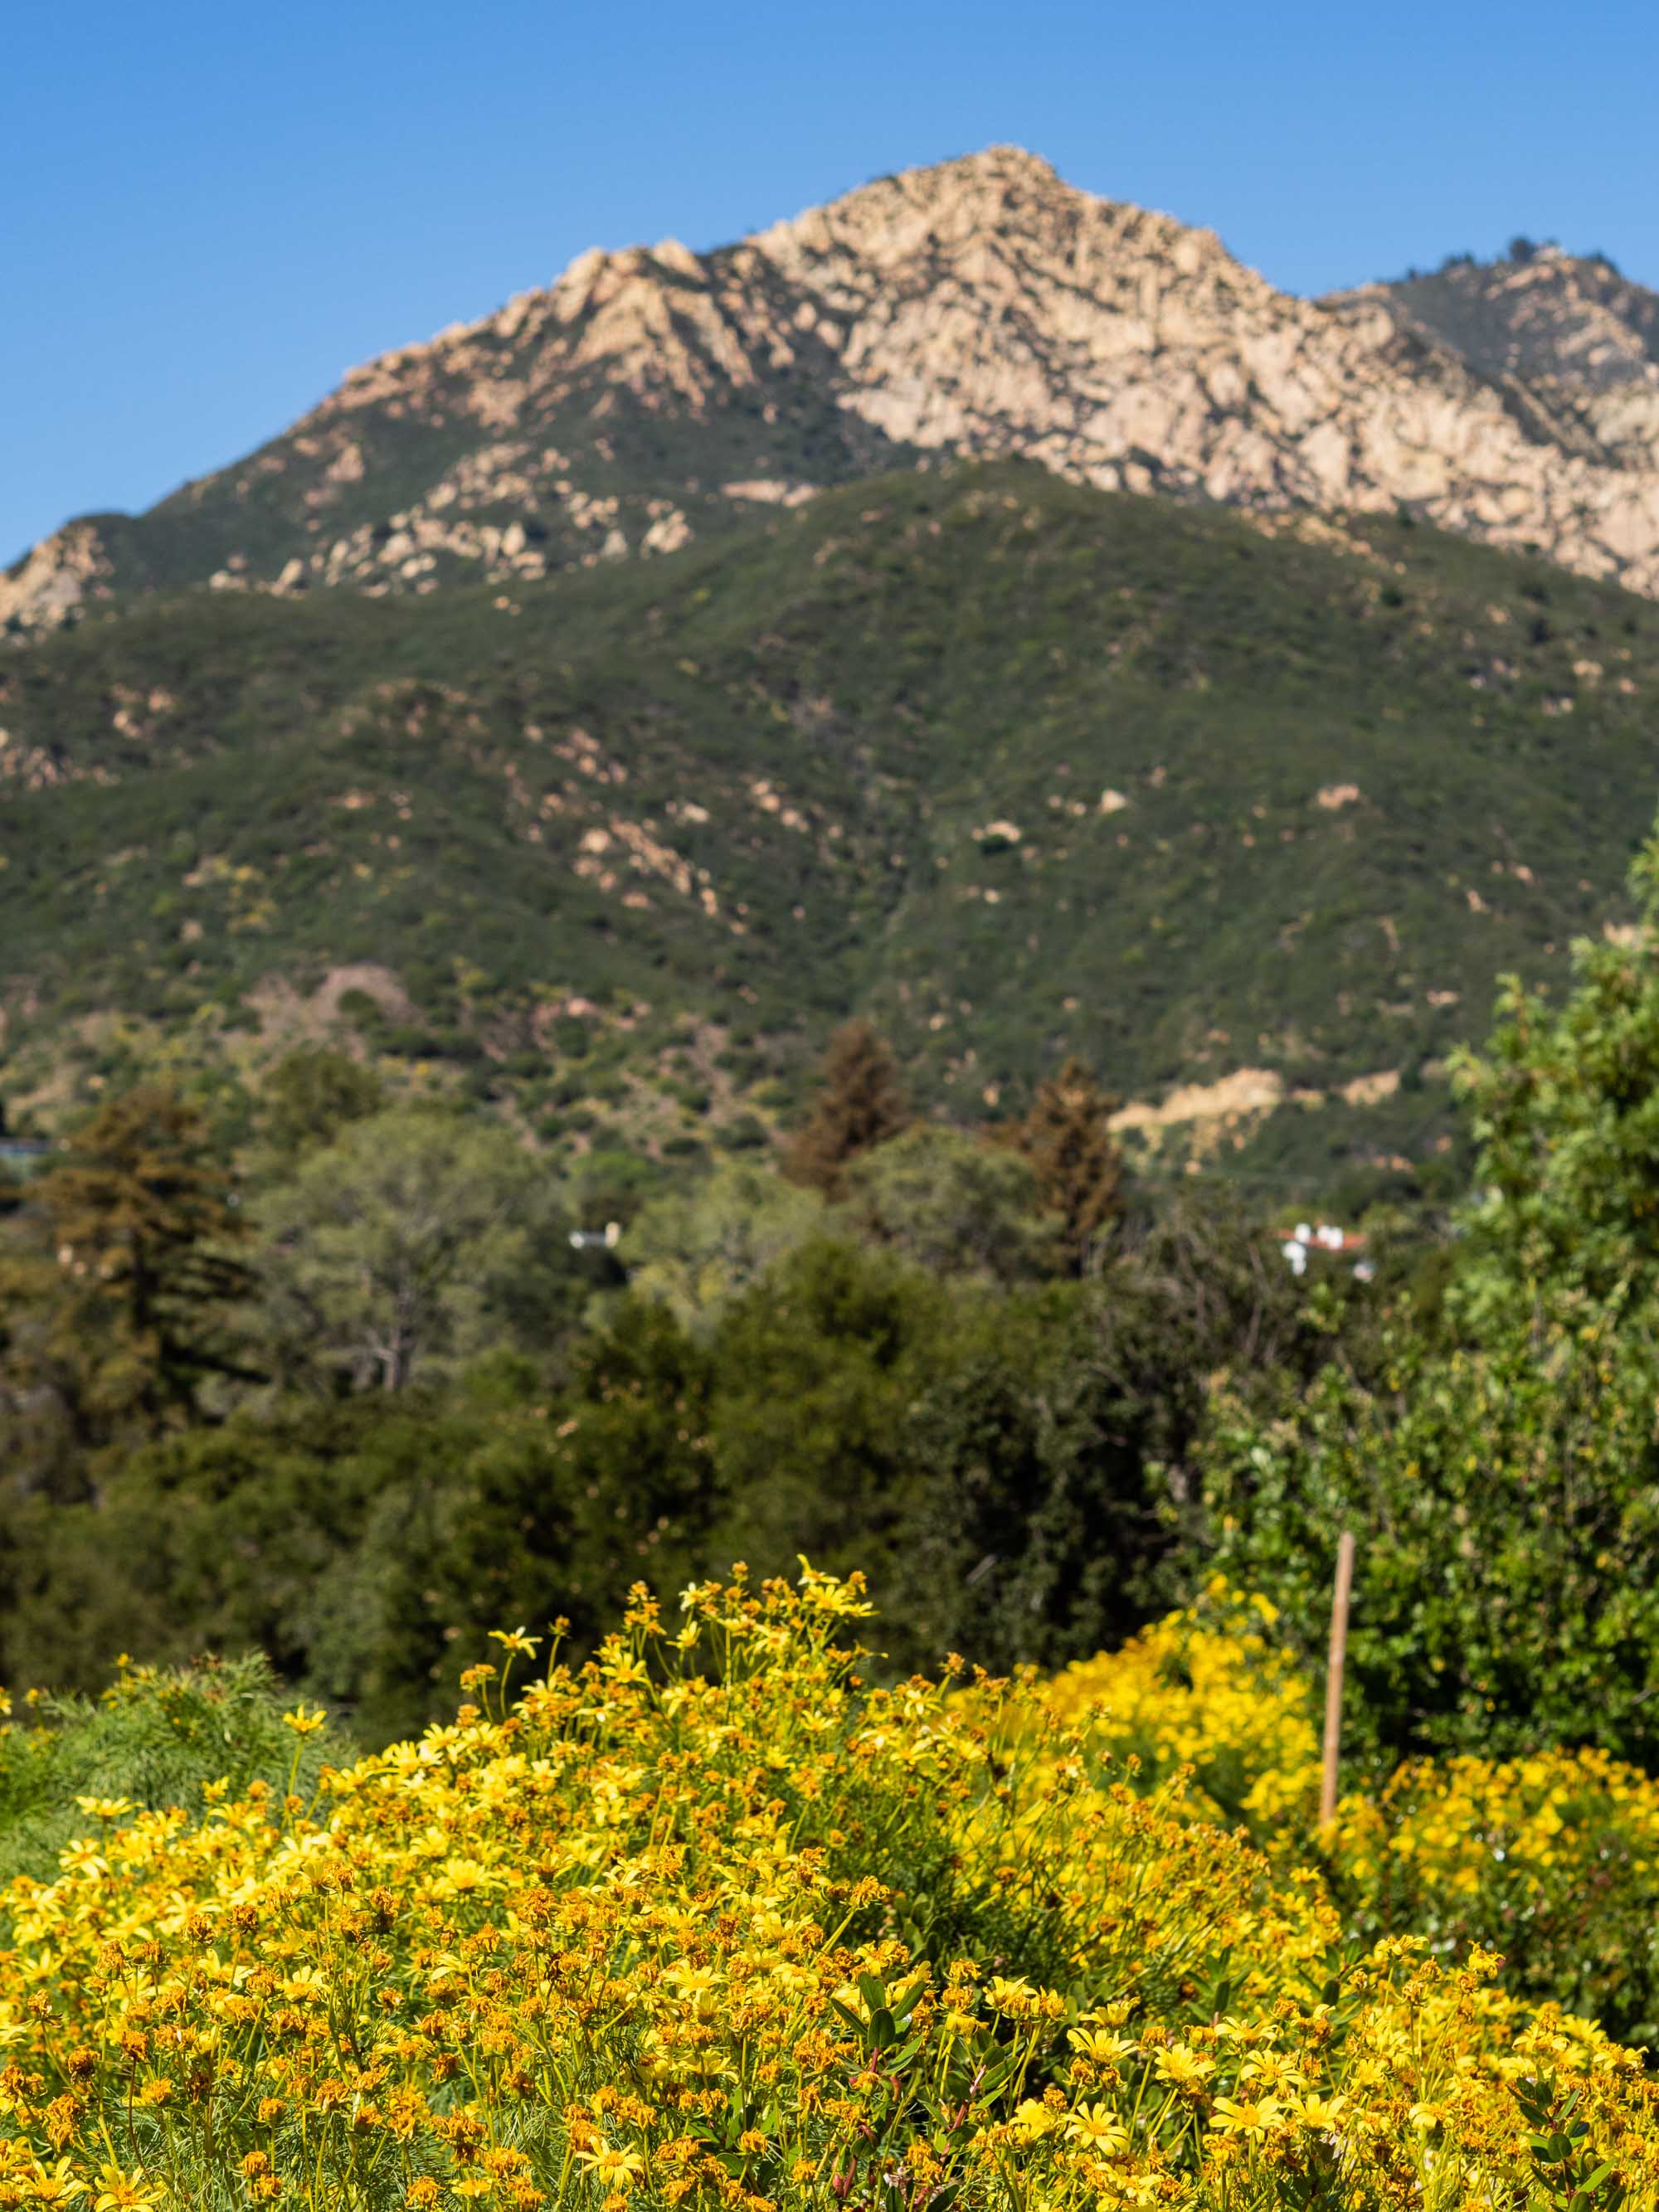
x=1565 y=1108
x=312 y=1094
x=951 y=1203
x=696 y=1251
x=385 y=1255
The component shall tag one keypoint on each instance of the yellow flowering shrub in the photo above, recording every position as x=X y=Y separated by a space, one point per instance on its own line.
x=1552 y=1861
x=708 y=1922
x=151 y=1738
x=1207 y=1693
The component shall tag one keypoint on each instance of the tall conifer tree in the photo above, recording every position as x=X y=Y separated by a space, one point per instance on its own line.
x=860 y=1104
x=1067 y=1138
x=114 y=1296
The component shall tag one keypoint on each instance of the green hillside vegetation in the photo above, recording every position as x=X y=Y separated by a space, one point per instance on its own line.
x=1013 y=768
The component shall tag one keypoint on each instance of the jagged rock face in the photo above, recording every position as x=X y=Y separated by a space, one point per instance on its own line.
x=1579 y=340
x=980 y=307
x=1551 y=317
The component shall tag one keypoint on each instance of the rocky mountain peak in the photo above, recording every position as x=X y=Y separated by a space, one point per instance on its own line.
x=981 y=307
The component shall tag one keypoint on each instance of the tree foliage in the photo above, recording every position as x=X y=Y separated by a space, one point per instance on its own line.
x=1066 y=1136
x=1565 y=1104
x=1506 y=1508
x=951 y=1203
x=119 y=1279
x=312 y=1095
x=383 y=1253
x=860 y=1104
x=697 y=1250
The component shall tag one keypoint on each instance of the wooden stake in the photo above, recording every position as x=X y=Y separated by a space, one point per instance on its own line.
x=1333 y=1676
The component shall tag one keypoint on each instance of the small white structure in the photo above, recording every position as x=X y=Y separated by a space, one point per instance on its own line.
x=1323 y=1236
x=596 y=1240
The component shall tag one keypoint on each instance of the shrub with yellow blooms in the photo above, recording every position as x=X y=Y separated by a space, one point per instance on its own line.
x=1551 y=1860
x=151 y=1738
x=710 y=1922
x=1208 y=1693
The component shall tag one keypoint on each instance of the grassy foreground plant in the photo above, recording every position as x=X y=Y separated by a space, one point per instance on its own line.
x=708 y=1922
x=150 y=1741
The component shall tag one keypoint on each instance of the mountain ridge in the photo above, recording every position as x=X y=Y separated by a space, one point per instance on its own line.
x=976 y=308
x=1536 y=312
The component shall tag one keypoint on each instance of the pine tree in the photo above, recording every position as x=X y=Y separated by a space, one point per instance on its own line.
x=859 y=1105
x=1067 y=1138
x=135 y=1225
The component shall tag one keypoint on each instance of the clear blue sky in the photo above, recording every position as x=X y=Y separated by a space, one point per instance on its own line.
x=210 y=211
